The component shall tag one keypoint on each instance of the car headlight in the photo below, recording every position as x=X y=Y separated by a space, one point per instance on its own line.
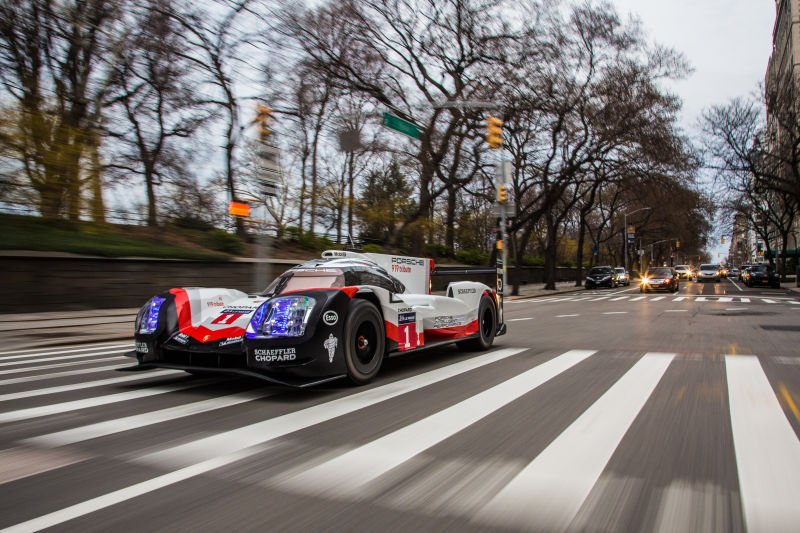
x=281 y=317
x=645 y=281
x=147 y=319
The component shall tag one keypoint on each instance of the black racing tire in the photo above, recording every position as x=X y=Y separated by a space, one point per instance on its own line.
x=364 y=341
x=487 y=328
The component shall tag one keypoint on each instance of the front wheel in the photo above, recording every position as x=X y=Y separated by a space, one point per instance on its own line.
x=364 y=341
x=487 y=327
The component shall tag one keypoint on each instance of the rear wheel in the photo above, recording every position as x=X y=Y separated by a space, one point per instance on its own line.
x=487 y=327
x=364 y=341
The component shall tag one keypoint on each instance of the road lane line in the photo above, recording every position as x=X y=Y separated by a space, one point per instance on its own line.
x=736 y=285
x=675 y=310
x=619 y=298
x=56 y=365
x=615 y=313
x=550 y=490
x=110 y=427
x=519 y=319
x=767 y=301
x=121 y=348
x=581 y=299
x=75 y=405
x=766 y=448
x=347 y=474
x=246 y=441
x=794 y=302
x=736 y=309
x=85 y=385
x=262 y=432
x=787 y=397
x=56 y=375
x=565 y=316
x=72 y=349
x=64 y=357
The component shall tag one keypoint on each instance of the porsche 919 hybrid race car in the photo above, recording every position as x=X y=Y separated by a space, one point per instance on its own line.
x=329 y=318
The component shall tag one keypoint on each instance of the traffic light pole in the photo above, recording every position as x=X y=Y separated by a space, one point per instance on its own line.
x=504 y=248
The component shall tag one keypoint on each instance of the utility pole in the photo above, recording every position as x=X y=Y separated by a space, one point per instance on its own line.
x=626 y=236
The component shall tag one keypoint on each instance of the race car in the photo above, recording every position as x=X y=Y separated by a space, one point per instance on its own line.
x=329 y=318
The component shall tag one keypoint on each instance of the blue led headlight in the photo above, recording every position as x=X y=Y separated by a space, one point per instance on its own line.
x=147 y=320
x=281 y=317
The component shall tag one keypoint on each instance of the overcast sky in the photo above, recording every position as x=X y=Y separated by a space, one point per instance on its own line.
x=727 y=42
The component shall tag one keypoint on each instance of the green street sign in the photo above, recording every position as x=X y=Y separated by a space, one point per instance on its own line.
x=403 y=126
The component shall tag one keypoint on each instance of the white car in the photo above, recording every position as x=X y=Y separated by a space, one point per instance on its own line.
x=708 y=273
x=684 y=271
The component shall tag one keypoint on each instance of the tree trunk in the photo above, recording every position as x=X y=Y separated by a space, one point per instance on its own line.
x=550 y=254
x=450 y=218
x=98 y=208
x=579 y=252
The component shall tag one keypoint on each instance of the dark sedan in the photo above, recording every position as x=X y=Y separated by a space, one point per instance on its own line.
x=661 y=278
x=602 y=276
x=763 y=275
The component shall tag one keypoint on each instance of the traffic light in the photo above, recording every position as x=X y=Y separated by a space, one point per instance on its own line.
x=263 y=118
x=494 y=131
x=502 y=194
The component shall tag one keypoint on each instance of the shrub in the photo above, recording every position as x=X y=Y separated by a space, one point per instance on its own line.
x=533 y=260
x=222 y=241
x=372 y=248
x=472 y=256
x=438 y=250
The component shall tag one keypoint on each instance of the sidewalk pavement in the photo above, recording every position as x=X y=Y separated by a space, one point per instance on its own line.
x=40 y=330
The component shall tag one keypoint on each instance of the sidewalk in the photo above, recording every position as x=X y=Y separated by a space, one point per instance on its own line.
x=38 y=330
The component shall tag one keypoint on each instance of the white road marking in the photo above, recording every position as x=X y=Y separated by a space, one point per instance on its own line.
x=657 y=298
x=638 y=298
x=794 y=302
x=767 y=449
x=65 y=357
x=72 y=348
x=565 y=316
x=75 y=405
x=736 y=309
x=675 y=310
x=551 y=489
x=724 y=299
x=85 y=385
x=519 y=319
x=262 y=432
x=615 y=313
x=56 y=375
x=57 y=365
x=744 y=300
x=735 y=285
x=347 y=474
x=581 y=299
x=701 y=299
x=619 y=298
x=767 y=301
x=243 y=442
x=127 y=493
x=110 y=427
x=679 y=299
x=598 y=299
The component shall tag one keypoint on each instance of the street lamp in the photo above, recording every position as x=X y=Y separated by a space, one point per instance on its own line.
x=625 y=231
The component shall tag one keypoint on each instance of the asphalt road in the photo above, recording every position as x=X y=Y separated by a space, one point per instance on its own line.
x=601 y=410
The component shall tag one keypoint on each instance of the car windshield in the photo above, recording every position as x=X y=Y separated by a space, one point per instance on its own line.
x=660 y=272
x=759 y=268
x=708 y=267
x=306 y=279
x=619 y=270
x=596 y=271
x=681 y=267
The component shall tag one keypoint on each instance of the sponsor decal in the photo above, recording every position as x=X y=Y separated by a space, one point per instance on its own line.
x=182 y=338
x=229 y=341
x=330 y=318
x=243 y=310
x=446 y=322
x=330 y=344
x=216 y=303
x=325 y=270
x=275 y=355
x=467 y=291
x=337 y=253
x=232 y=314
x=405 y=310
x=142 y=347
x=408 y=261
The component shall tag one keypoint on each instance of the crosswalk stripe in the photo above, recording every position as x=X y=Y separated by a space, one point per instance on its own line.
x=519 y=319
x=638 y=298
x=88 y=351
x=64 y=357
x=85 y=385
x=262 y=432
x=744 y=300
x=346 y=474
x=767 y=301
x=598 y=299
x=86 y=403
x=71 y=349
x=56 y=375
x=657 y=298
x=56 y=365
x=103 y=429
x=551 y=489
x=701 y=299
x=246 y=441
x=679 y=299
x=724 y=299
x=619 y=298
x=767 y=449
x=794 y=302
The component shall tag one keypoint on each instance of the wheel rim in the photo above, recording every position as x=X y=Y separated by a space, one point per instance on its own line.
x=366 y=343
x=487 y=323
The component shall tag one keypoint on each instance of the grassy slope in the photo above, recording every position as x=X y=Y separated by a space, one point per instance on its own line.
x=31 y=233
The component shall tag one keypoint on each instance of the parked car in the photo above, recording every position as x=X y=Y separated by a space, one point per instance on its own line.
x=734 y=273
x=660 y=278
x=708 y=273
x=684 y=271
x=623 y=277
x=601 y=276
x=763 y=275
